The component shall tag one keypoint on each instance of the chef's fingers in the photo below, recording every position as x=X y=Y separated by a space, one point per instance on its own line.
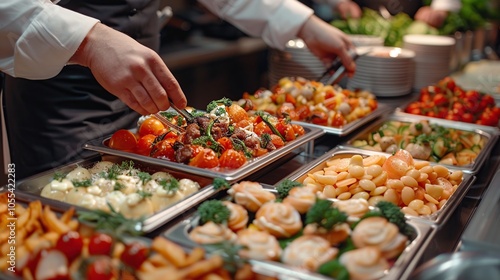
x=141 y=100
x=156 y=92
x=170 y=85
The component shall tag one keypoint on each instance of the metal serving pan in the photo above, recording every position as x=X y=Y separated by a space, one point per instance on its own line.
x=255 y=164
x=436 y=219
x=488 y=133
x=30 y=189
x=407 y=261
x=352 y=126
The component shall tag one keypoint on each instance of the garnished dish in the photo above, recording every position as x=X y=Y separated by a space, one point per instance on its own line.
x=297 y=226
x=50 y=247
x=446 y=100
x=313 y=102
x=225 y=137
x=424 y=140
x=417 y=187
x=120 y=188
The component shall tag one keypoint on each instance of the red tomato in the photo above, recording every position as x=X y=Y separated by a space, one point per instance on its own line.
x=303 y=112
x=151 y=126
x=145 y=144
x=440 y=99
x=135 y=254
x=287 y=109
x=232 y=159
x=100 y=244
x=290 y=99
x=206 y=158
x=262 y=128
x=468 y=117
x=70 y=244
x=447 y=83
x=472 y=95
x=123 y=140
x=298 y=129
x=319 y=118
x=101 y=268
x=338 y=120
x=277 y=141
x=164 y=149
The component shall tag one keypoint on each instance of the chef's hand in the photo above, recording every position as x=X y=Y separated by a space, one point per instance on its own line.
x=348 y=9
x=432 y=17
x=327 y=42
x=129 y=70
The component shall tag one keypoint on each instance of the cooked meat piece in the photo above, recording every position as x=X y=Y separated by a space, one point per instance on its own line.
x=239 y=133
x=184 y=154
x=192 y=132
x=203 y=122
x=252 y=142
x=219 y=130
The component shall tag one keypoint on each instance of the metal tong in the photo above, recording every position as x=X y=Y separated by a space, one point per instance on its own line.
x=335 y=72
x=183 y=112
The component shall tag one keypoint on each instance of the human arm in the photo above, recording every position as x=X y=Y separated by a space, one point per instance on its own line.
x=279 y=21
x=436 y=13
x=39 y=38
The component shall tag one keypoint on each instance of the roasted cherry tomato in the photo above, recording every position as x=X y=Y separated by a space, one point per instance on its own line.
x=101 y=268
x=100 y=244
x=151 y=126
x=164 y=149
x=232 y=159
x=123 y=140
x=262 y=128
x=145 y=144
x=70 y=244
x=206 y=158
x=135 y=254
x=225 y=142
x=277 y=141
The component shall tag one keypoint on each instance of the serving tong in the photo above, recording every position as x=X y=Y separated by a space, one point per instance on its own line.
x=183 y=112
x=336 y=71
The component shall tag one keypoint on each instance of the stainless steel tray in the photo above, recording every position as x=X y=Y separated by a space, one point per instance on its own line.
x=407 y=261
x=482 y=232
x=401 y=112
x=350 y=127
x=490 y=133
x=30 y=188
x=436 y=219
x=255 y=164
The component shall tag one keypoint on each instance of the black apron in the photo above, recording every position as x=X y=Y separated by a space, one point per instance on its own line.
x=48 y=121
x=394 y=7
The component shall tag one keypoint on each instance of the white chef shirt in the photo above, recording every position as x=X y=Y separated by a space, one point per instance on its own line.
x=37 y=37
x=275 y=21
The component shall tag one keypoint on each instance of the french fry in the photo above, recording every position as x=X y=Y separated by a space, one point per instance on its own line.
x=168 y=272
x=67 y=216
x=159 y=260
x=169 y=250
x=52 y=222
x=196 y=255
x=22 y=219
x=203 y=267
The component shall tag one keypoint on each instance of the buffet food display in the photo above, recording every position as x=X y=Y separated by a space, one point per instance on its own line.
x=296 y=226
x=447 y=100
x=434 y=140
x=366 y=209
x=330 y=107
x=227 y=140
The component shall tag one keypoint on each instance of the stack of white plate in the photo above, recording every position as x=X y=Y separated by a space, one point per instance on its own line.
x=297 y=61
x=433 y=57
x=294 y=61
x=385 y=71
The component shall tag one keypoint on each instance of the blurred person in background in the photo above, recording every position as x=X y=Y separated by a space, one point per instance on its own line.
x=434 y=15
x=51 y=109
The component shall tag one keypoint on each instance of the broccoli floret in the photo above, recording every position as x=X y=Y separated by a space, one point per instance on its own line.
x=393 y=214
x=220 y=183
x=223 y=101
x=284 y=188
x=213 y=210
x=334 y=269
x=325 y=215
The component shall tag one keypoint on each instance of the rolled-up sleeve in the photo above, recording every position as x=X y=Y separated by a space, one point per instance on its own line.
x=275 y=21
x=446 y=5
x=38 y=38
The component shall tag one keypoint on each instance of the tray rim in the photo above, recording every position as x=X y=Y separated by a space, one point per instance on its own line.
x=437 y=220
x=311 y=134
x=406 y=261
x=149 y=224
x=489 y=132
